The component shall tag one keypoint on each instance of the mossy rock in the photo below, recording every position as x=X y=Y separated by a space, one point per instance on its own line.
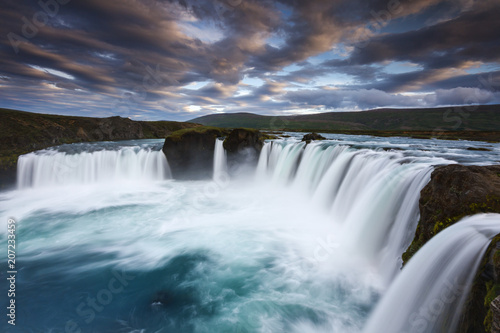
x=312 y=136
x=456 y=191
x=182 y=134
x=244 y=138
x=190 y=152
x=243 y=146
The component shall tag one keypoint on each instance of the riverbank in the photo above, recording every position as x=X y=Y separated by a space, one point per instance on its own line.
x=23 y=132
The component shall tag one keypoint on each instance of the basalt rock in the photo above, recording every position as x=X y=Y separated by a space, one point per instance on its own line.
x=312 y=136
x=190 y=152
x=243 y=147
x=456 y=191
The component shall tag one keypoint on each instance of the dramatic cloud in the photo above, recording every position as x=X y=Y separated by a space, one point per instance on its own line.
x=178 y=59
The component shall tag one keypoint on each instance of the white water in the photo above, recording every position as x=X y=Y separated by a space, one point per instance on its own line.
x=220 y=160
x=429 y=293
x=306 y=244
x=372 y=197
x=50 y=168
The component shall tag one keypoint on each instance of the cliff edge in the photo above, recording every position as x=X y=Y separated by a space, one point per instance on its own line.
x=456 y=191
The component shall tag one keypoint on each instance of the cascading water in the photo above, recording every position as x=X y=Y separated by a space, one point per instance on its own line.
x=308 y=243
x=429 y=293
x=369 y=194
x=220 y=160
x=48 y=168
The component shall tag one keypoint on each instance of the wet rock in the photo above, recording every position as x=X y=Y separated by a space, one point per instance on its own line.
x=495 y=309
x=190 y=152
x=312 y=136
x=243 y=146
x=456 y=191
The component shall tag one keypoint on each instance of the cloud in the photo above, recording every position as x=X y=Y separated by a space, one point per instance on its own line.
x=463 y=96
x=133 y=57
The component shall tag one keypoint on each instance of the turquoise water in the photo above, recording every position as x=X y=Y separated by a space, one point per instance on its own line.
x=107 y=243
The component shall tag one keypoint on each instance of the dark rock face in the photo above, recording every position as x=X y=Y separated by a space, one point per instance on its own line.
x=312 y=136
x=242 y=138
x=453 y=192
x=190 y=152
x=243 y=147
x=456 y=191
x=495 y=309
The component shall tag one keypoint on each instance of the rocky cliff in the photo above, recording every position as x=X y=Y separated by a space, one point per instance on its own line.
x=243 y=148
x=23 y=132
x=190 y=152
x=453 y=192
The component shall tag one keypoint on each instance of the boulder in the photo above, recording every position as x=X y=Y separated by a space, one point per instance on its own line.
x=190 y=152
x=312 y=136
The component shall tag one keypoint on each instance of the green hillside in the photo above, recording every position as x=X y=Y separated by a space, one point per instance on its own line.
x=22 y=132
x=482 y=118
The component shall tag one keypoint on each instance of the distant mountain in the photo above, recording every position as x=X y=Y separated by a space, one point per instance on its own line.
x=463 y=118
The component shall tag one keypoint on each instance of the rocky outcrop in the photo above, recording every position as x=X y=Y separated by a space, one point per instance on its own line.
x=312 y=136
x=243 y=147
x=456 y=191
x=453 y=192
x=23 y=132
x=190 y=152
x=242 y=138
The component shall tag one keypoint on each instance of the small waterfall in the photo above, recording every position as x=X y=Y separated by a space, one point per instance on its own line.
x=220 y=160
x=261 y=171
x=49 y=168
x=431 y=290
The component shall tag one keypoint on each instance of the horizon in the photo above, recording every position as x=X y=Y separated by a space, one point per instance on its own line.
x=179 y=60
x=467 y=107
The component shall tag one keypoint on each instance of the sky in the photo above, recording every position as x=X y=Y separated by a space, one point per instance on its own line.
x=180 y=59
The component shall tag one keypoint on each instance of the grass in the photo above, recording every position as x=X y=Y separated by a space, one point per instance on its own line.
x=22 y=132
x=177 y=135
x=447 y=123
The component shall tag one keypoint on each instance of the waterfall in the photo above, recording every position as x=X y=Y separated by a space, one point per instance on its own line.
x=429 y=294
x=371 y=195
x=48 y=167
x=311 y=241
x=220 y=160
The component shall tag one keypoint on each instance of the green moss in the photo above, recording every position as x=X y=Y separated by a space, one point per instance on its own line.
x=496 y=258
x=492 y=291
x=177 y=135
x=488 y=321
x=491 y=205
x=441 y=225
x=253 y=130
x=414 y=246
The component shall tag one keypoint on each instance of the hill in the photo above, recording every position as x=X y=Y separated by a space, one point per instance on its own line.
x=482 y=118
x=22 y=132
